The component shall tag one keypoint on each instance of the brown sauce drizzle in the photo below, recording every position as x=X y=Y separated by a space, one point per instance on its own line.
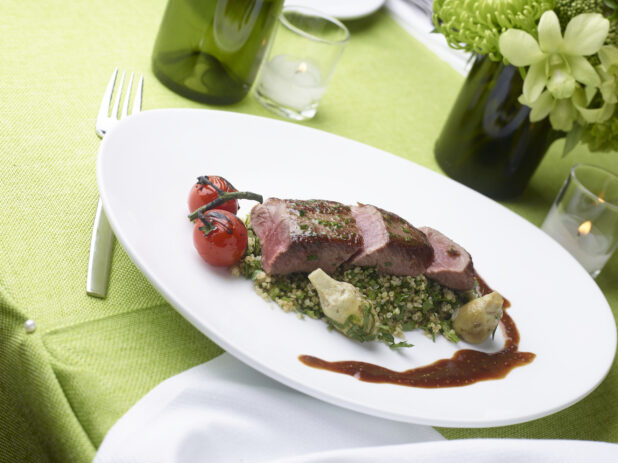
x=467 y=366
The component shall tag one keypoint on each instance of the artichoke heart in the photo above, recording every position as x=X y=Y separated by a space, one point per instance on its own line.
x=476 y=320
x=345 y=307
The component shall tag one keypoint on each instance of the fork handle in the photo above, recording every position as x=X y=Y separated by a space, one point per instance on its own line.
x=101 y=248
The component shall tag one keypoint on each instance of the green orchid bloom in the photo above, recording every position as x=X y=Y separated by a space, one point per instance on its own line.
x=581 y=101
x=556 y=62
x=608 y=70
x=565 y=112
x=562 y=112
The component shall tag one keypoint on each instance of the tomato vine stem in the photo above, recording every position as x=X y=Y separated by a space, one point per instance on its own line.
x=224 y=197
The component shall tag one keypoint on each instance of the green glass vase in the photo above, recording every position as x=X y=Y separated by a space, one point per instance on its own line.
x=488 y=142
x=211 y=50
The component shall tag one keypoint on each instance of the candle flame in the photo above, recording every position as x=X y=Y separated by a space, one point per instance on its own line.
x=584 y=228
x=302 y=67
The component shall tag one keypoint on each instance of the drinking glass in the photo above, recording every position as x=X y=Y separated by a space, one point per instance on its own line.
x=301 y=61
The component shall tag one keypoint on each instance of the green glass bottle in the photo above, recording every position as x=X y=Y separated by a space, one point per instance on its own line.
x=488 y=142
x=211 y=50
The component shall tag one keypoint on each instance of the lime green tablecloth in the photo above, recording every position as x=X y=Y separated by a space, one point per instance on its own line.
x=63 y=386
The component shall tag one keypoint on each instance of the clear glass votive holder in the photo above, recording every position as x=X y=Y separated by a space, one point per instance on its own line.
x=584 y=216
x=300 y=62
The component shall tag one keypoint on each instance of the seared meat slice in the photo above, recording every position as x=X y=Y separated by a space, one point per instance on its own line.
x=390 y=243
x=303 y=235
x=452 y=265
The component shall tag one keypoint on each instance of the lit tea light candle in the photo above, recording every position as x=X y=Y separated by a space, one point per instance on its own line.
x=291 y=82
x=581 y=238
x=584 y=228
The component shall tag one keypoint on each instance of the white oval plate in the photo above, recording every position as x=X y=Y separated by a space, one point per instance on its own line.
x=341 y=9
x=148 y=163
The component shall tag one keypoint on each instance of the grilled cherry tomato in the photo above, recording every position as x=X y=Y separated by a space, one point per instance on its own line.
x=219 y=237
x=205 y=191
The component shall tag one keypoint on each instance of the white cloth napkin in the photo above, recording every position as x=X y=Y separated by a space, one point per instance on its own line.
x=473 y=450
x=224 y=411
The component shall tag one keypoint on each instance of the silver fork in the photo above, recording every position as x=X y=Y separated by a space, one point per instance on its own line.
x=102 y=241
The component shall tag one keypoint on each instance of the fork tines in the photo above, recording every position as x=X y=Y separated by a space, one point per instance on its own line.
x=106 y=118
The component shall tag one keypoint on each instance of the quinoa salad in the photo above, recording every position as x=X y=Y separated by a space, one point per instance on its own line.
x=402 y=303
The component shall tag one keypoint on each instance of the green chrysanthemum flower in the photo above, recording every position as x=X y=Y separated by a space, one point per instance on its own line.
x=476 y=25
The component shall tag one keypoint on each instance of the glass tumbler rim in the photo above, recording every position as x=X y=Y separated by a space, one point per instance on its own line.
x=313 y=12
x=573 y=175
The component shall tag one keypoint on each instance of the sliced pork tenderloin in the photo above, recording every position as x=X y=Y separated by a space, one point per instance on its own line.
x=303 y=235
x=452 y=265
x=390 y=243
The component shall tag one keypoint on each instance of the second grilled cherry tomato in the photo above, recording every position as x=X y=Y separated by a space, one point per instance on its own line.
x=219 y=237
